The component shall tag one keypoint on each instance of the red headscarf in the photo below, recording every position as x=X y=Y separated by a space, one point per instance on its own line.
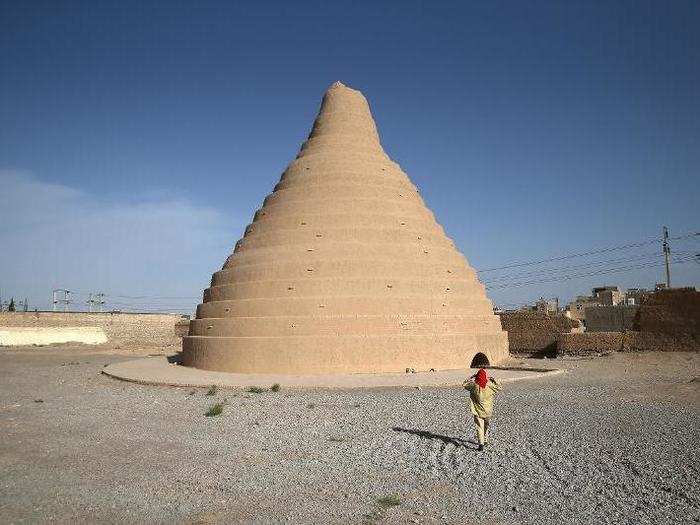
x=481 y=378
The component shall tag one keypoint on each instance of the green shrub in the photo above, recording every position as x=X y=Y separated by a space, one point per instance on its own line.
x=215 y=410
x=391 y=500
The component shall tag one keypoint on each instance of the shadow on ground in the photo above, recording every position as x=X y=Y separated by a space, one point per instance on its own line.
x=175 y=358
x=458 y=442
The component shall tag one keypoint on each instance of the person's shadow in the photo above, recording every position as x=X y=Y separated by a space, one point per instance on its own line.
x=458 y=442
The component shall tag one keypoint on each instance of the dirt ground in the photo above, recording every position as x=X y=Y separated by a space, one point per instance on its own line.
x=613 y=440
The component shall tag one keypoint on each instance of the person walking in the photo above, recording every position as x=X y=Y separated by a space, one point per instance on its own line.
x=482 y=390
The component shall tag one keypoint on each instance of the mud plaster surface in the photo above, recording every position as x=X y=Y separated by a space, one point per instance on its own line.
x=159 y=370
x=343 y=269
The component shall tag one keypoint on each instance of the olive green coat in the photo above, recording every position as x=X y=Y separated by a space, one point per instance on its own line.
x=481 y=399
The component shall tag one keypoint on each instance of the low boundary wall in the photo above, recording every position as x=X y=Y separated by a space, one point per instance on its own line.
x=590 y=343
x=596 y=343
x=121 y=329
x=41 y=336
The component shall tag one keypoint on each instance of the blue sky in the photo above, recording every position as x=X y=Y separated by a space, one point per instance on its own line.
x=138 y=138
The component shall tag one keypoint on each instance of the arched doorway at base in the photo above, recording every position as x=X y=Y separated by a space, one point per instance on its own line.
x=480 y=360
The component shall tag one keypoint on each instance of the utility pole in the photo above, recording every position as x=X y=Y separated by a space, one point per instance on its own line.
x=95 y=299
x=667 y=255
x=65 y=301
x=99 y=300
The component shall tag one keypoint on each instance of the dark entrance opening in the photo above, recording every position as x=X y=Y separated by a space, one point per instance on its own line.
x=480 y=360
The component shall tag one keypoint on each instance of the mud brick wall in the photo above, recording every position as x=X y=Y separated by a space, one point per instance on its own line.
x=589 y=343
x=610 y=318
x=182 y=327
x=651 y=342
x=674 y=313
x=596 y=343
x=122 y=329
x=535 y=333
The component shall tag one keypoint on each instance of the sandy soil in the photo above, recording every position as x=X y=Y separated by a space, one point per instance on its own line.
x=615 y=440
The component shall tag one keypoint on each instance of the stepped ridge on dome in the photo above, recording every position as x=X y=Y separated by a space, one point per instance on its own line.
x=343 y=269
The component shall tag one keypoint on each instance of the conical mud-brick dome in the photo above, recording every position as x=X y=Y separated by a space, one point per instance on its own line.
x=344 y=269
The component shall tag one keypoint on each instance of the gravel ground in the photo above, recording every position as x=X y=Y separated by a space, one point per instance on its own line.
x=615 y=440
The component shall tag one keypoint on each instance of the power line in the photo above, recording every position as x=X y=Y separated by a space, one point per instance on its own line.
x=586 y=253
x=600 y=272
x=572 y=267
x=560 y=270
x=589 y=274
x=158 y=297
x=154 y=310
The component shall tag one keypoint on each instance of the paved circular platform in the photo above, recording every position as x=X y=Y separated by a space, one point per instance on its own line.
x=160 y=371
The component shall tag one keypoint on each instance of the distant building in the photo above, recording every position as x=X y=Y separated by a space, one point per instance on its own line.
x=600 y=296
x=576 y=309
x=634 y=296
x=608 y=295
x=617 y=318
x=608 y=309
x=547 y=306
